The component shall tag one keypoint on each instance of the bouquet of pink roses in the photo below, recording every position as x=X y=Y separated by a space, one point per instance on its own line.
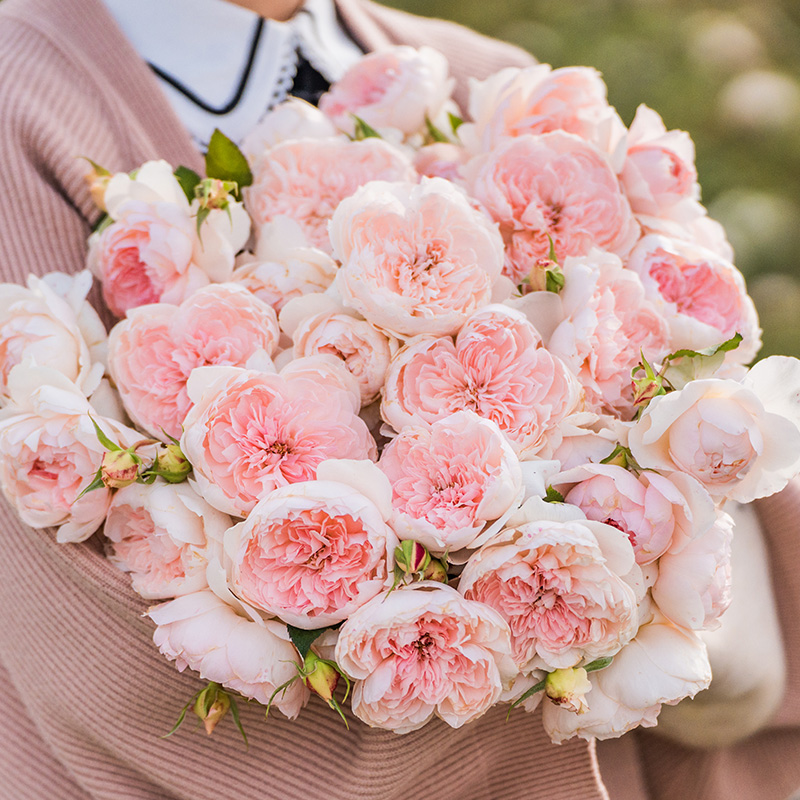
x=445 y=411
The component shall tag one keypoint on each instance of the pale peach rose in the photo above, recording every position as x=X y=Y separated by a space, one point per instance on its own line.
x=440 y=160
x=154 y=182
x=424 y=651
x=701 y=295
x=394 y=88
x=655 y=512
x=203 y=633
x=292 y=119
x=693 y=587
x=552 y=187
x=659 y=174
x=451 y=480
x=153 y=351
x=306 y=179
x=40 y=326
x=251 y=432
x=496 y=367
x=223 y=234
x=538 y=99
x=663 y=664
x=416 y=258
x=311 y=553
x=607 y=324
x=562 y=586
x=740 y=440
x=49 y=453
x=159 y=534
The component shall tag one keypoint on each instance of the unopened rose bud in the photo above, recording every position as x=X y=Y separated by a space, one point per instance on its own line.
x=214 y=193
x=567 y=688
x=411 y=557
x=321 y=676
x=171 y=464
x=435 y=571
x=119 y=468
x=537 y=277
x=211 y=706
x=97 y=180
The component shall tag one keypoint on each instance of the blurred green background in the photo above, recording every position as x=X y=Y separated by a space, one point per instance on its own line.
x=727 y=72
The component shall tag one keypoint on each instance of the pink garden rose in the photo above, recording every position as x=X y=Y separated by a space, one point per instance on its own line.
x=701 y=295
x=201 y=632
x=450 y=480
x=153 y=351
x=655 y=512
x=49 y=453
x=416 y=258
x=607 y=324
x=159 y=534
x=552 y=187
x=496 y=367
x=566 y=589
x=251 y=432
x=306 y=179
x=741 y=440
x=311 y=553
x=424 y=651
x=396 y=88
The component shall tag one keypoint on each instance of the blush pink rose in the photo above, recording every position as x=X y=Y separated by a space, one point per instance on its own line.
x=203 y=633
x=496 y=367
x=416 y=258
x=607 y=323
x=424 y=651
x=394 y=88
x=701 y=295
x=655 y=512
x=311 y=553
x=49 y=453
x=251 y=432
x=306 y=179
x=159 y=534
x=153 y=351
x=561 y=586
x=451 y=480
x=552 y=187
x=741 y=440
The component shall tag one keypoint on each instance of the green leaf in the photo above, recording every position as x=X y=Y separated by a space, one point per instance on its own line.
x=188 y=179
x=455 y=122
x=553 y=496
x=96 y=167
x=97 y=483
x=434 y=132
x=102 y=224
x=600 y=663
x=237 y=720
x=683 y=366
x=622 y=457
x=303 y=639
x=364 y=131
x=103 y=439
x=538 y=687
x=727 y=345
x=225 y=161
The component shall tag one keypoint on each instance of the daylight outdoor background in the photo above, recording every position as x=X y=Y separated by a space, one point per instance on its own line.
x=727 y=72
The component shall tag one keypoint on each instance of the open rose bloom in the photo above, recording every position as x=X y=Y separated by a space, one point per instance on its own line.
x=467 y=404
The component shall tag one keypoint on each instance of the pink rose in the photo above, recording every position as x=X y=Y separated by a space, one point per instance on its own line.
x=424 y=651
x=496 y=367
x=311 y=553
x=416 y=258
x=656 y=513
x=701 y=295
x=557 y=186
x=201 y=632
x=153 y=351
x=49 y=453
x=607 y=323
x=159 y=535
x=449 y=481
x=740 y=440
x=306 y=179
x=561 y=586
x=394 y=88
x=250 y=432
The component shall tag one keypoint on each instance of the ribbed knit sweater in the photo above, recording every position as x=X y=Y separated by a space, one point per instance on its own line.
x=85 y=694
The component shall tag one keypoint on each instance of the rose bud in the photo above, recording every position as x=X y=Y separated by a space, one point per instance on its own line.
x=211 y=706
x=97 y=180
x=411 y=557
x=171 y=464
x=436 y=571
x=119 y=468
x=321 y=676
x=567 y=687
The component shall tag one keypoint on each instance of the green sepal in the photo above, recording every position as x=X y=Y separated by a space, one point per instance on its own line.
x=104 y=222
x=551 y=254
x=303 y=639
x=726 y=346
x=182 y=715
x=622 y=457
x=95 y=166
x=237 y=720
x=202 y=216
x=188 y=180
x=600 y=663
x=554 y=280
x=103 y=439
x=225 y=161
x=435 y=133
x=97 y=483
x=537 y=687
x=553 y=496
x=364 y=130
x=455 y=121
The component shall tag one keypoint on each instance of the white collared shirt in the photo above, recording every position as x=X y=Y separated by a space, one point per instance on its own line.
x=229 y=59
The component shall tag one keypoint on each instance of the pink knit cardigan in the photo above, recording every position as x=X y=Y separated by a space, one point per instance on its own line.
x=85 y=694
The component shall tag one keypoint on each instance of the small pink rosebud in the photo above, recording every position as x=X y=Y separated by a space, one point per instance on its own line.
x=411 y=557
x=171 y=464
x=97 y=180
x=211 y=706
x=119 y=468
x=320 y=676
x=214 y=193
x=567 y=688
